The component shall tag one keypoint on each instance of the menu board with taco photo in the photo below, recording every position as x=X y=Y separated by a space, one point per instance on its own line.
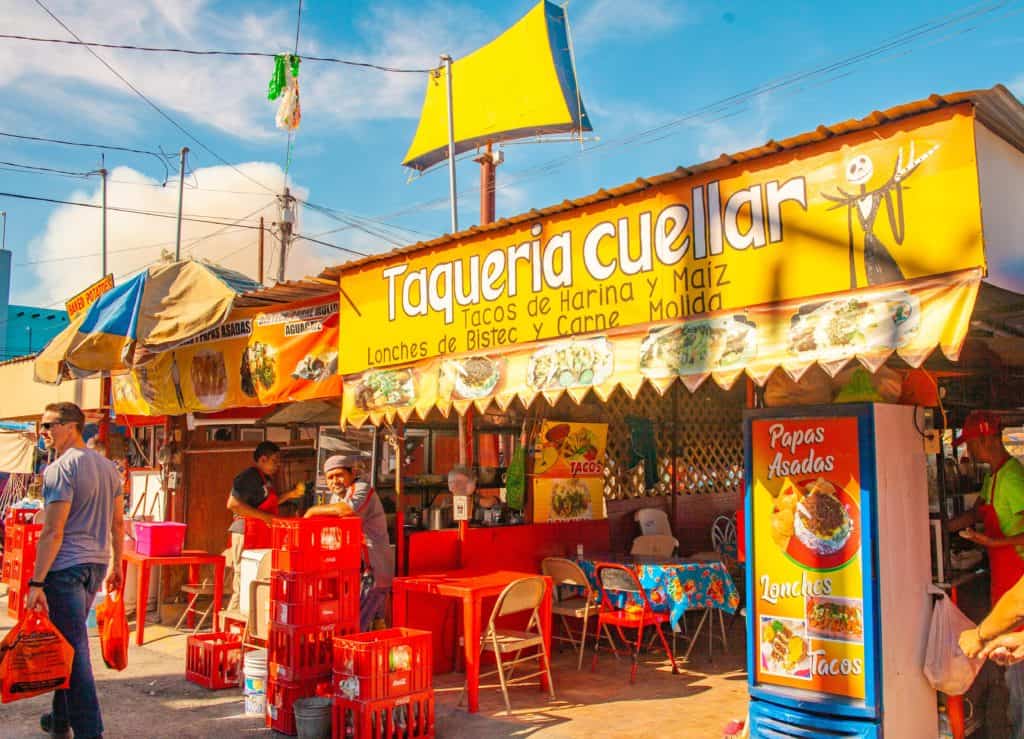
x=807 y=565
x=568 y=471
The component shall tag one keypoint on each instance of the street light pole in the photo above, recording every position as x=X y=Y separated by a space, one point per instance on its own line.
x=451 y=145
x=181 y=195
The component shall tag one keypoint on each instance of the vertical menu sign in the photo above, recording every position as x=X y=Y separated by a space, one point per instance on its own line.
x=808 y=579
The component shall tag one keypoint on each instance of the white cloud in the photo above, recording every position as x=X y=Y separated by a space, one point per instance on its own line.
x=601 y=20
x=64 y=258
x=1017 y=86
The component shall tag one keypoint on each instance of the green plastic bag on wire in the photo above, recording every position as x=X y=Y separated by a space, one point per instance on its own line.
x=515 y=480
x=279 y=79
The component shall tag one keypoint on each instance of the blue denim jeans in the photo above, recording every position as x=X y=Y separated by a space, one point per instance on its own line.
x=70 y=593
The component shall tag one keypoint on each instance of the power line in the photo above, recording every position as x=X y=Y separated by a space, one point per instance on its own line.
x=212 y=52
x=161 y=157
x=149 y=102
x=132 y=211
x=332 y=246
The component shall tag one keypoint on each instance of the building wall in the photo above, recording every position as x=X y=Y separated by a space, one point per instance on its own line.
x=29 y=329
x=1001 y=181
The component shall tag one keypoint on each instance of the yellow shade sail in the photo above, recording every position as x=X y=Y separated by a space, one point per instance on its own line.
x=521 y=84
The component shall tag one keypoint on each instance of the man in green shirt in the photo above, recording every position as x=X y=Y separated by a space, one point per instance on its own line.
x=1001 y=509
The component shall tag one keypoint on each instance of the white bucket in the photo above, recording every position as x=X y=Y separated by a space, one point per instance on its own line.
x=254 y=686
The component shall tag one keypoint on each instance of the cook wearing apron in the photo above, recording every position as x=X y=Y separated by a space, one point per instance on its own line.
x=252 y=496
x=1001 y=512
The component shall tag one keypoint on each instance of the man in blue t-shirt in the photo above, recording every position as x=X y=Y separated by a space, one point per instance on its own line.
x=83 y=534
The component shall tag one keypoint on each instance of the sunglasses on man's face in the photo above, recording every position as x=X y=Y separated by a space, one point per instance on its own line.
x=47 y=425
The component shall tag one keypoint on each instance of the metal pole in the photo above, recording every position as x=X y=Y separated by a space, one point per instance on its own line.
x=103 y=248
x=451 y=145
x=3 y=230
x=181 y=195
x=259 y=268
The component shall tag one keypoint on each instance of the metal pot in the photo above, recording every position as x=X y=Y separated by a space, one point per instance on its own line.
x=439 y=518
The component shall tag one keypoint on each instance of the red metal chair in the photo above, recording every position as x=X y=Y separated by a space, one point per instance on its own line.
x=614 y=578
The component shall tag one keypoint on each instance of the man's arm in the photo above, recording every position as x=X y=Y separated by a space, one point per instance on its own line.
x=1004 y=616
x=50 y=539
x=331 y=509
x=114 y=579
x=245 y=510
x=965 y=519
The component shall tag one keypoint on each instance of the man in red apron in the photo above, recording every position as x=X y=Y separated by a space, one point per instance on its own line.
x=1001 y=511
x=253 y=495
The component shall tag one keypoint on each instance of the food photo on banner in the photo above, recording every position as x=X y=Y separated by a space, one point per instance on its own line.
x=568 y=471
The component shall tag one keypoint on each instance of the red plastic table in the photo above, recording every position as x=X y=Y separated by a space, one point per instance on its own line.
x=191 y=558
x=470 y=587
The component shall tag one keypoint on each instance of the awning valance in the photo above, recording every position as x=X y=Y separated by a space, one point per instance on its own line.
x=910 y=319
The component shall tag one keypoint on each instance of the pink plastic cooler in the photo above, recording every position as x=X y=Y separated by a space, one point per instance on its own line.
x=159 y=539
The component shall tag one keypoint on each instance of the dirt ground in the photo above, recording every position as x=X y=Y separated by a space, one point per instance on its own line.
x=152 y=699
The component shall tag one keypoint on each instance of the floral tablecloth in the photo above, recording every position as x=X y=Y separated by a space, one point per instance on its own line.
x=675 y=587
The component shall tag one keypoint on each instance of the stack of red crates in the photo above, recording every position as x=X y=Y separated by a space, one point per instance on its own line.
x=382 y=685
x=20 y=539
x=314 y=596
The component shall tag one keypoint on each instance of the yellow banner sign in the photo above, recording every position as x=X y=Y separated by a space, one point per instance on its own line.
x=874 y=208
x=568 y=471
x=77 y=305
x=869 y=325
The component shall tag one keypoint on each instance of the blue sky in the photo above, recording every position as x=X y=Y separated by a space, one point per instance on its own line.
x=641 y=64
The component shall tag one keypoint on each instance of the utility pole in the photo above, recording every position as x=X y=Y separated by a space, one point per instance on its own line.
x=103 y=247
x=451 y=145
x=287 y=222
x=259 y=267
x=181 y=195
x=3 y=231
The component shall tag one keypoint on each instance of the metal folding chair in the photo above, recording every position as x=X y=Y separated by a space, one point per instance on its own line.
x=518 y=596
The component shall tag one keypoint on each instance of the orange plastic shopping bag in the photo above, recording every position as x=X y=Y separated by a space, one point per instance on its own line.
x=113 y=627
x=35 y=658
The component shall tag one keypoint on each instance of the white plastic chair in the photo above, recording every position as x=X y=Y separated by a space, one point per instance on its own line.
x=653 y=521
x=723 y=537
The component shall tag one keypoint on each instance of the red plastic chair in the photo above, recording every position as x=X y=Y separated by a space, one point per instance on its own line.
x=619 y=578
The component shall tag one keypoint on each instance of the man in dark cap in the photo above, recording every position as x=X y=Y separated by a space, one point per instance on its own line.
x=352 y=496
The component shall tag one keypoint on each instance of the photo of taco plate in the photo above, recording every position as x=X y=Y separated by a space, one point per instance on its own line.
x=698 y=346
x=570 y=499
x=822 y=523
x=570 y=364
x=381 y=388
x=473 y=377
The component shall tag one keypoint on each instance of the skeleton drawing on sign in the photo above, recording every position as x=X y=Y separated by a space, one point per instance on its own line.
x=879 y=264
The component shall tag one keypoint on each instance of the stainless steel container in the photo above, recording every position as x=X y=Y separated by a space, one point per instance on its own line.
x=439 y=518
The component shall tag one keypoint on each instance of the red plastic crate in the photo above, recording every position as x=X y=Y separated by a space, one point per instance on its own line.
x=257 y=534
x=214 y=660
x=159 y=538
x=21 y=536
x=281 y=696
x=308 y=598
x=17 y=569
x=20 y=515
x=382 y=664
x=408 y=717
x=297 y=653
x=317 y=544
x=16 y=599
